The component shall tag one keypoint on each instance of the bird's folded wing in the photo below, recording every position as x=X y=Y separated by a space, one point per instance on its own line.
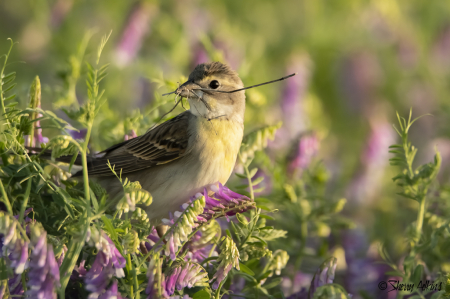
x=163 y=144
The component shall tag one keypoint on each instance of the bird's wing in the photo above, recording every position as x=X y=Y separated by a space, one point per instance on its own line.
x=163 y=144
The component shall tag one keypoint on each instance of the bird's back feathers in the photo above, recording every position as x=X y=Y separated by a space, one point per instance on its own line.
x=163 y=144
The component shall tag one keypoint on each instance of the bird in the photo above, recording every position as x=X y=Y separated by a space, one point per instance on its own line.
x=178 y=158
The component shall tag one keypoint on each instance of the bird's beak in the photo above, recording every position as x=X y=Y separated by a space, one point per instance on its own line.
x=185 y=89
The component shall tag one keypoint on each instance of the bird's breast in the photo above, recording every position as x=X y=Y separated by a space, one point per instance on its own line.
x=217 y=144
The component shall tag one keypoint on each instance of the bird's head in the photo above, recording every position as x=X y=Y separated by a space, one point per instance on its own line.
x=205 y=91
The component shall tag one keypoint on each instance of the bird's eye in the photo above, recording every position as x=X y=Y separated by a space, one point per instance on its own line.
x=214 y=84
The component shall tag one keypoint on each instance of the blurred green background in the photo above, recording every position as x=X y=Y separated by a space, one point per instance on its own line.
x=358 y=62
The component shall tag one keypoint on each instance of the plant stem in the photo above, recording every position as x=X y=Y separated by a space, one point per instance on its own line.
x=135 y=280
x=247 y=172
x=25 y=201
x=75 y=246
x=420 y=216
x=220 y=286
x=5 y=199
x=129 y=267
x=85 y=170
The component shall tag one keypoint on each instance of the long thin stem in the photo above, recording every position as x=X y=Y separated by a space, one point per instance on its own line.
x=25 y=201
x=75 y=246
x=220 y=287
x=420 y=216
x=247 y=173
x=5 y=198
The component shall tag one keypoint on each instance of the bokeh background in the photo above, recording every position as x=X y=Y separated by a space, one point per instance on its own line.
x=358 y=62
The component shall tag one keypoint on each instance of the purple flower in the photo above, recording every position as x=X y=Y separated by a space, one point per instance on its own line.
x=134 y=32
x=153 y=238
x=112 y=292
x=306 y=150
x=16 y=249
x=324 y=275
x=374 y=161
x=228 y=258
x=200 y=245
x=294 y=92
x=177 y=278
x=79 y=270
x=44 y=272
x=297 y=285
x=81 y=134
x=19 y=256
x=156 y=286
x=224 y=201
x=201 y=208
x=360 y=77
x=200 y=55
x=363 y=272
x=108 y=263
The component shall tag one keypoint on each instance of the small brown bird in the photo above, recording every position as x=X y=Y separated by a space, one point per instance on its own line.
x=198 y=147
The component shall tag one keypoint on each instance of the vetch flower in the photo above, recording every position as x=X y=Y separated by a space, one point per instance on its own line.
x=112 y=292
x=134 y=32
x=156 y=283
x=36 y=138
x=374 y=160
x=324 y=275
x=183 y=228
x=228 y=258
x=201 y=243
x=15 y=248
x=108 y=263
x=225 y=202
x=187 y=275
x=278 y=262
x=293 y=95
x=44 y=272
x=130 y=242
x=134 y=194
x=306 y=149
x=202 y=208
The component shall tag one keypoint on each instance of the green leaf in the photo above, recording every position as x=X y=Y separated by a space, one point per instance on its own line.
x=257 y=181
x=9 y=88
x=242 y=176
x=273 y=283
x=9 y=75
x=202 y=294
x=94 y=200
x=10 y=97
x=66 y=200
x=110 y=228
x=266 y=217
x=253 y=172
x=246 y=269
x=265 y=208
x=264 y=242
